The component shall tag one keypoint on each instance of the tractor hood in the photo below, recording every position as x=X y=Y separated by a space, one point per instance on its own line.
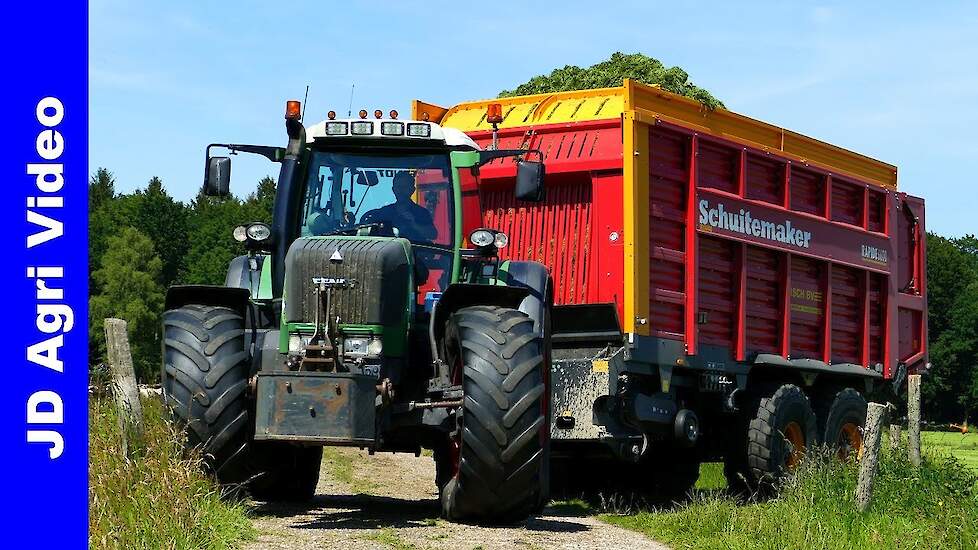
x=374 y=276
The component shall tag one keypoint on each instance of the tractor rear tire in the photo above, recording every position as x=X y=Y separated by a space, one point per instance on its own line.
x=494 y=468
x=205 y=380
x=844 y=422
x=292 y=473
x=780 y=433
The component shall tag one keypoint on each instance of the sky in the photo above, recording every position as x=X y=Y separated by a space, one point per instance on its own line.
x=897 y=81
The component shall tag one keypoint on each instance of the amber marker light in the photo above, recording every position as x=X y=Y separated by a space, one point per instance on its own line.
x=378 y=114
x=424 y=116
x=494 y=113
x=393 y=114
x=293 y=109
x=363 y=113
x=331 y=115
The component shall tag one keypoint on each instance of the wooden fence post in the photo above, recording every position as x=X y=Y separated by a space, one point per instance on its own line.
x=913 y=418
x=894 y=436
x=124 y=382
x=871 y=448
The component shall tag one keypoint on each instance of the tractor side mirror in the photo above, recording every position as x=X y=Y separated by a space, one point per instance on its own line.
x=217 y=177
x=530 y=176
x=367 y=178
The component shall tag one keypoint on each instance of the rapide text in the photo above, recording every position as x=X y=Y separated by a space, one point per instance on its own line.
x=45 y=410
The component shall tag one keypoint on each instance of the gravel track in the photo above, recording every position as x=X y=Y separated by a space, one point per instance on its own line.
x=390 y=501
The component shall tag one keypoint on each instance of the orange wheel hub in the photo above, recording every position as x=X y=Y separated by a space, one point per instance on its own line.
x=850 y=441
x=794 y=435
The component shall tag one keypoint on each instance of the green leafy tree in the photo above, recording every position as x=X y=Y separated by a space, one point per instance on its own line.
x=128 y=279
x=950 y=392
x=164 y=221
x=612 y=72
x=261 y=201
x=211 y=246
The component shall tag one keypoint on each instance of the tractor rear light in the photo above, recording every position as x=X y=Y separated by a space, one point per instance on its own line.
x=293 y=109
x=494 y=113
x=362 y=128
x=392 y=128
x=419 y=130
x=336 y=129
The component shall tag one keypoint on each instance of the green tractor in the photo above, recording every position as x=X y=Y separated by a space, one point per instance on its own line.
x=362 y=316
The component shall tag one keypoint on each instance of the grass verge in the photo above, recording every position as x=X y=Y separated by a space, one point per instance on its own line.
x=158 y=499
x=963 y=447
x=935 y=506
x=342 y=466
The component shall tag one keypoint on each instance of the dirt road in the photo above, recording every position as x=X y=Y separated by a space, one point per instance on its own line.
x=390 y=501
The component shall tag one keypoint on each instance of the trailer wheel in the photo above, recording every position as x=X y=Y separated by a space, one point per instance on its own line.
x=779 y=435
x=291 y=474
x=205 y=376
x=844 y=423
x=492 y=469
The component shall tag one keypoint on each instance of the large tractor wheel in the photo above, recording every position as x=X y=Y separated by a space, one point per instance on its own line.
x=205 y=375
x=292 y=473
x=843 y=421
x=493 y=469
x=779 y=435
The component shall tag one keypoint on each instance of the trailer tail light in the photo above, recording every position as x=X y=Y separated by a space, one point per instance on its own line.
x=494 y=113
x=293 y=109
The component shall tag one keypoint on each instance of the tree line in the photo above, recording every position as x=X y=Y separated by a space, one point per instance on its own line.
x=142 y=242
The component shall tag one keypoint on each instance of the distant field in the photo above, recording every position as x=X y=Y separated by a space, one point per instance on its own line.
x=964 y=447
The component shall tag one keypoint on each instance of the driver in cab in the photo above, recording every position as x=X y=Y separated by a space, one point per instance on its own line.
x=412 y=220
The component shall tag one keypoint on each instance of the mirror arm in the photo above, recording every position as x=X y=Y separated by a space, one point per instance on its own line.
x=487 y=156
x=274 y=154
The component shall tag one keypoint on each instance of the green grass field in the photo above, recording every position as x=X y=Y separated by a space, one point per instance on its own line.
x=963 y=447
x=935 y=506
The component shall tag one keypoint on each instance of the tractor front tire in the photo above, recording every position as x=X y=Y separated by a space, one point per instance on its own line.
x=493 y=469
x=779 y=435
x=205 y=378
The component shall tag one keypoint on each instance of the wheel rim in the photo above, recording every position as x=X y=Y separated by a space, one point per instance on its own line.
x=850 y=441
x=795 y=437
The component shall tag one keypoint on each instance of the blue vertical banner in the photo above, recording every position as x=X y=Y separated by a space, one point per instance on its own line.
x=44 y=408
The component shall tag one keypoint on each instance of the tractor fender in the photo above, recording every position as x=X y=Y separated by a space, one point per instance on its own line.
x=527 y=288
x=240 y=274
x=460 y=295
x=535 y=278
x=208 y=295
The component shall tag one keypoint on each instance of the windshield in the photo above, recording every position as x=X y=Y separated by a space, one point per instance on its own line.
x=408 y=195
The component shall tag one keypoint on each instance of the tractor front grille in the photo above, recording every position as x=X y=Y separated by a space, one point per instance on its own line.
x=379 y=266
